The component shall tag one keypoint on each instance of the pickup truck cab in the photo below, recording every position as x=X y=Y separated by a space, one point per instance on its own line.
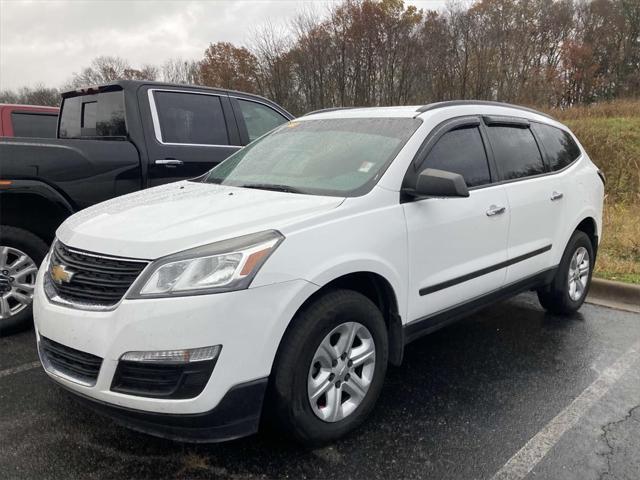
x=111 y=140
x=290 y=275
x=28 y=121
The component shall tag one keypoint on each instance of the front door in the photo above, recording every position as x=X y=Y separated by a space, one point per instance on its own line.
x=457 y=247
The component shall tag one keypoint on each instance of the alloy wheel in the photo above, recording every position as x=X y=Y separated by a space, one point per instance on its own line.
x=341 y=371
x=578 y=274
x=17 y=281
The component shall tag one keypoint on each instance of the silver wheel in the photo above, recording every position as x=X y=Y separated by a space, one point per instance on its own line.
x=578 y=274
x=17 y=281
x=341 y=371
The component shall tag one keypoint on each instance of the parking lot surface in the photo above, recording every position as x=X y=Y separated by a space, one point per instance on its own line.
x=511 y=392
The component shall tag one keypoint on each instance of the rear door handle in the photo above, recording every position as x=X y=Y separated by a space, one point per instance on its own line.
x=170 y=162
x=495 y=210
x=556 y=196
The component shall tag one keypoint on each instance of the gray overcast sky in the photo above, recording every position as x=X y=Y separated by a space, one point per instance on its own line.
x=45 y=41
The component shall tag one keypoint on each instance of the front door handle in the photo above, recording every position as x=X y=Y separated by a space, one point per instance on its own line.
x=495 y=210
x=556 y=196
x=169 y=162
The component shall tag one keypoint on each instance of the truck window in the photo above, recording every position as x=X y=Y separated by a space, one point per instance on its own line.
x=190 y=118
x=259 y=118
x=93 y=116
x=40 y=125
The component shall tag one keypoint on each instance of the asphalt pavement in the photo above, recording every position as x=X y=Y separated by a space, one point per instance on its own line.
x=511 y=392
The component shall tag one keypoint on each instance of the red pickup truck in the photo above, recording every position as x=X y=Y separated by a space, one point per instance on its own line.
x=28 y=121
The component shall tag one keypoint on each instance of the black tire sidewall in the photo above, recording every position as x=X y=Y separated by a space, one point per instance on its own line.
x=36 y=248
x=312 y=326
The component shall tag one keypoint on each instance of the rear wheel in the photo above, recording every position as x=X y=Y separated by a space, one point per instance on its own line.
x=21 y=253
x=569 y=288
x=330 y=368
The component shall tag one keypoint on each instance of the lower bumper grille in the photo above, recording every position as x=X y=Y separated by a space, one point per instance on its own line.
x=72 y=364
x=186 y=380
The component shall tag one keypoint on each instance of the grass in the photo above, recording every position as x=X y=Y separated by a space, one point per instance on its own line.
x=610 y=132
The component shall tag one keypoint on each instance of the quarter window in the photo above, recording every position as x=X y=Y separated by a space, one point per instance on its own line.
x=259 y=118
x=191 y=118
x=516 y=152
x=560 y=147
x=461 y=151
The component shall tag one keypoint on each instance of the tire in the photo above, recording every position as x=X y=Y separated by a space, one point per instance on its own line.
x=15 y=242
x=289 y=402
x=558 y=297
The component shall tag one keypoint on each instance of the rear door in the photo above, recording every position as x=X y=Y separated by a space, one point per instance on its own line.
x=535 y=197
x=192 y=132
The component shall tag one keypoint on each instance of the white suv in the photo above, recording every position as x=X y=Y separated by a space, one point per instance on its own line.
x=280 y=284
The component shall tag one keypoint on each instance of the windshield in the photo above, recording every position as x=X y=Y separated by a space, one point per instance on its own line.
x=338 y=157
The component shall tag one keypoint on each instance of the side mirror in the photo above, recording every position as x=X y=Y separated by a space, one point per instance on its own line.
x=439 y=183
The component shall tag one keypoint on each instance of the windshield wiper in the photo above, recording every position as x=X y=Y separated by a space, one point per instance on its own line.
x=271 y=186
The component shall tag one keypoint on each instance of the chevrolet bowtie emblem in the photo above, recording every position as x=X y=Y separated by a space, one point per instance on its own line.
x=60 y=274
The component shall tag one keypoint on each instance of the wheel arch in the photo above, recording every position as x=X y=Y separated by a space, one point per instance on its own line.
x=376 y=288
x=589 y=226
x=33 y=213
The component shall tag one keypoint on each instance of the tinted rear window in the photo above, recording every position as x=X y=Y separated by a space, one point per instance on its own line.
x=560 y=147
x=516 y=152
x=94 y=116
x=191 y=118
x=39 y=125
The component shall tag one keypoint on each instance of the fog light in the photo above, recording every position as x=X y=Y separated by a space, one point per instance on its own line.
x=174 y=356
x=175 y=374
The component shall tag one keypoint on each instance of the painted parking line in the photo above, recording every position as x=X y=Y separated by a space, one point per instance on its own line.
x=521 y=464
x=19 y=368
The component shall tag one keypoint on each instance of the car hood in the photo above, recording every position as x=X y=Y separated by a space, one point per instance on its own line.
x=159 y=221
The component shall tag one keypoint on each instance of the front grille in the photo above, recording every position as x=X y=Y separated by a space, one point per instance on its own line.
x=90 y=278
x=76 y=365
x=170 y=380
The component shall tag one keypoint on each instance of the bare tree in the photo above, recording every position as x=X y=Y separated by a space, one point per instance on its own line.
x=107 y=69
x=178 y=70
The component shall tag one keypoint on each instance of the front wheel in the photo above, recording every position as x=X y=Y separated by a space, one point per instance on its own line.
x=330 y=368
x=569 y=288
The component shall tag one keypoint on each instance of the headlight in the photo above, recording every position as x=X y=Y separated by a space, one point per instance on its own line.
x=218 y=267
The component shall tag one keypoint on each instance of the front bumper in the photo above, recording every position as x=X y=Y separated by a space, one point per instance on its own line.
x=237 y=415
x=249 y=325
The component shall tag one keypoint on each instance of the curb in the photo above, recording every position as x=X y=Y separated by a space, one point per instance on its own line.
x=624 y=296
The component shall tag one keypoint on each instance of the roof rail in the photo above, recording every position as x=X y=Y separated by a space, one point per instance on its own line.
x=331 y=109
x=456 y=103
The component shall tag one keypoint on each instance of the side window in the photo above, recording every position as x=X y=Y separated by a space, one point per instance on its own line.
x=461 y=151
x=191 y=118
x=38 y=125
x=558 y=144
x=516 y=152
x=259 y=118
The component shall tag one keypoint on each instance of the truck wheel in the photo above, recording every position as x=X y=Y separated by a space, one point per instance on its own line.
x=330 y=368
x=569 y=288
x=21 y=253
